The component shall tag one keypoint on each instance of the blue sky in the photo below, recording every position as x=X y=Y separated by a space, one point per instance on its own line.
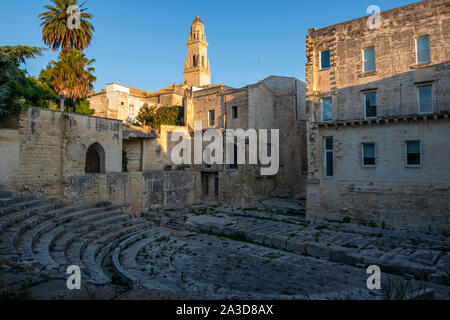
x=142 y=43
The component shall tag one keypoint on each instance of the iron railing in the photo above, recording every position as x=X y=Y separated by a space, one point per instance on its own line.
x=435 y=107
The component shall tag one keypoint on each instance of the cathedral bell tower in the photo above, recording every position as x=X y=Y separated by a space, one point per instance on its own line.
x=196 y=69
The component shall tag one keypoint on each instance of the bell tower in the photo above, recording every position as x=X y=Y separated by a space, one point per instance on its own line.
x=196 y=69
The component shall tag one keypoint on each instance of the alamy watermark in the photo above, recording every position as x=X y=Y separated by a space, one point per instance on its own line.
x=74 y=279
x=74 y=20
x=374 y=281
x=260 y=151
x=374 y=20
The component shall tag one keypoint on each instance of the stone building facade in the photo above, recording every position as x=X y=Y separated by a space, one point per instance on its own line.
x=274 y=103
x=378 y=104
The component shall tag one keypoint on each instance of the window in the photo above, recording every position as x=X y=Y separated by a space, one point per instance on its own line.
x=325 y=59
x=234 y=112
x=368 y=154
x=369 y=60
x=371 y=104
x=413 y=153
x=328 y=157
x=212 y=117
x=131 y=108
x=425 y=98
x=327 y=109
x=423 y=50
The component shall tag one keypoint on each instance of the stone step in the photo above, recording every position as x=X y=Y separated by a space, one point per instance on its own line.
x=16 y=200
x=64 y=242
x=73 y=250
x=7 y=194
x=26 y=240
x=27 y=203
x=90 y=253
x=6 y=221
x=47 y=242
x=120 y=271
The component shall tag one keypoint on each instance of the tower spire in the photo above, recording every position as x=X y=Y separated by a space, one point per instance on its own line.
x=197 y=71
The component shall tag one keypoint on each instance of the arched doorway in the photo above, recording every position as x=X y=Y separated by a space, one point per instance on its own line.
x=95 y=159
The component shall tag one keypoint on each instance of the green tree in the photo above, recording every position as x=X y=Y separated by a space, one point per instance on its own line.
x=83 y=106
x=155 y=116
x=72 y=75
x=19 y=54
x=18 y=91
x=57 y=34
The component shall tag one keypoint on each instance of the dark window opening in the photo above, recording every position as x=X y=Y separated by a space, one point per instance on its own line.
x=329 y=157
x=325 y=59
x=212 y=117
x=124 y=161
x=413 y=153
x=234 y=113
x=371 y=105
x=234 y=165
x=368 y=154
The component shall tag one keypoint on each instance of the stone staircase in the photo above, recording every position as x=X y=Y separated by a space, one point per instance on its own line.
x=49 y=235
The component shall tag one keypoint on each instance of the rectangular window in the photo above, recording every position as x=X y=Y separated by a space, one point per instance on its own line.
x=425 y=99
x=325 y=59
x=212 y=117
x=371 y=104
x=234 y=112
x=368 y=154
x=413 y=153
x=327 y=109
x=423 y=50
x=369 y=60
x=328 y=157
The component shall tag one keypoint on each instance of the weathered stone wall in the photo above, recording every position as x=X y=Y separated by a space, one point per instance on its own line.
x=10 y=154
x=53 y=144
x=99 y=103
x=134 y=149
x=201 y=103
x=244 y=186
x=389 y=193
x=239 y=99
x=158 y=152
x=142 y=190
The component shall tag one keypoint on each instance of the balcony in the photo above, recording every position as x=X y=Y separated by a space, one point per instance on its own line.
x=435 y=109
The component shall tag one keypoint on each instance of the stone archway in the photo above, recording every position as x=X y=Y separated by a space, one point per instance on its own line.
x=95 y=159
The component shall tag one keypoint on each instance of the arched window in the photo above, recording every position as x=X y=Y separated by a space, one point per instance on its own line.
x=203 y=61
x=195 y=59
x=95 y=159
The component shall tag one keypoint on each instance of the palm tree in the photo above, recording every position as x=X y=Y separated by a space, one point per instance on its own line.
x=19 y=54
x=57 y=34
x=72 y=76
